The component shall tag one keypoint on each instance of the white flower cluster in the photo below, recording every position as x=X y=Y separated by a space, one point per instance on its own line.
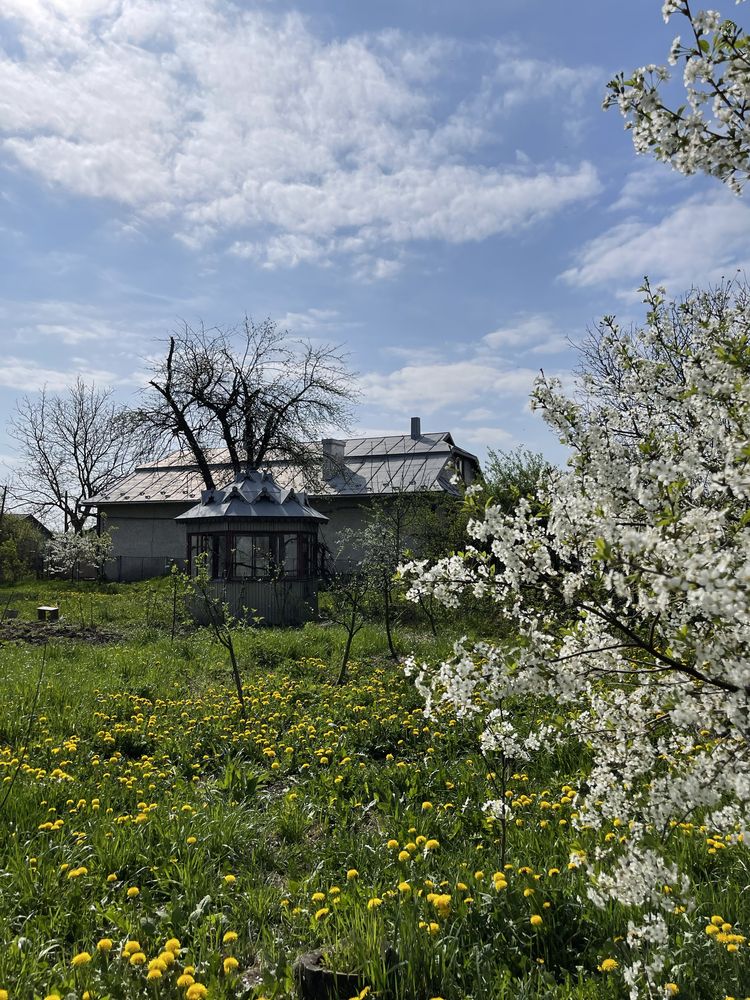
x=627 y=591
x=711 y=133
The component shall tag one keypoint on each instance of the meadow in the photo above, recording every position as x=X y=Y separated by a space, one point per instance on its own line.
x=154 y=844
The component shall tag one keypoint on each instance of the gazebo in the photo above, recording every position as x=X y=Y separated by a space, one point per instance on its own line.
x=261 y=548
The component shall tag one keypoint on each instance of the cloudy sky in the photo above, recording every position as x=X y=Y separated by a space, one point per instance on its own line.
x=431 y=183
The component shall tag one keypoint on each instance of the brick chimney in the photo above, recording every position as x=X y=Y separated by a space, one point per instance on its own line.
x=416 y=428
x=333 y=457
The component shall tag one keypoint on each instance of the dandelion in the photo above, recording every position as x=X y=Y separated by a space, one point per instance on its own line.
x=154 y=974
x=112 y=877
x=671 y=989
x=374 y=903
x=131 y=947
x=322 y=912
x=185 y=980
x=137 y=958
x=535 y=920
x=82 y=958
x=352 y=874
x=3 y=995
x=318 y=897
x=404 y=888
x=172 y=945
x=196 y=992
x=230 y=965
x=432 y=845
x=392 y=844
x=104 y=945
x=191 y=840
x=608 y=965
x=133 y=891
x=230 y=937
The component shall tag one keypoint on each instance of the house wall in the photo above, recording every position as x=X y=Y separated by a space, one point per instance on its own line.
x=146 y=539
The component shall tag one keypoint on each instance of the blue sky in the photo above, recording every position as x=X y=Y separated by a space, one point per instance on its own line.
x=432 y=184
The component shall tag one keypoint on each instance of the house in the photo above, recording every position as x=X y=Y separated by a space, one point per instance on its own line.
x=140 y=510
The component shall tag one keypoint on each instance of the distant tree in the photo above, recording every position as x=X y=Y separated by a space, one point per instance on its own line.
x=71 y=447
x=252 y=390
x=21 y=547
x=510 y=476
x=710 y=130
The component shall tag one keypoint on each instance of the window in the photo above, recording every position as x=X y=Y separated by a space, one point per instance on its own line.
x=212 y=548
x=272 y=556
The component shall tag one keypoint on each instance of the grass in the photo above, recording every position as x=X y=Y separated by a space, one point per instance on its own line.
x=142 y=809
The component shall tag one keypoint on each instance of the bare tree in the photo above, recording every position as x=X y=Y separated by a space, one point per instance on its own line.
x=254 y=391
x=71 y=447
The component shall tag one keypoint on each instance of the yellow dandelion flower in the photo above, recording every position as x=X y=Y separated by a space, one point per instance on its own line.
x=185 y=980
x=352 y=874
x=82 y=958
x=608 y=965
x=196 y=992
x=230 y=964
x=154 y=974
x=230 y=937
x=105 y=945
x=535 y=920
x=133 y=891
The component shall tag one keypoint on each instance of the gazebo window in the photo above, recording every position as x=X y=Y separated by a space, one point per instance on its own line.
x=211 y=547
x=261 y=556
x=255 y=556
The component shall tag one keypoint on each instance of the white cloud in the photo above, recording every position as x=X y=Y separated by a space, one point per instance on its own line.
x=26 y=375
x=700 y=240
x=489 y=436
x=431 y=387
x=534 y=333
x=240 y=125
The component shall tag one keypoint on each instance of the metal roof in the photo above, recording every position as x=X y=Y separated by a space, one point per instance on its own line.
x=252 y=495
x=367 y=466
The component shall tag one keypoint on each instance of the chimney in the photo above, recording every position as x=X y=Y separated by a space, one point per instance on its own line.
x=416 y=428
x=333 y=457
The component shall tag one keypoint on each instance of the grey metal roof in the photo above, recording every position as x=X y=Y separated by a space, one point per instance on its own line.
x=252 y=495
x=370 y=466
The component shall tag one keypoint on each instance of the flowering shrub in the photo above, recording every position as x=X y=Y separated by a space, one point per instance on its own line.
x=710 y=132
x=67 y=550
x=628 y=594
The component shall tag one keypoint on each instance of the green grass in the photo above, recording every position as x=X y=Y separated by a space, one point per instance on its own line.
x=140 y=774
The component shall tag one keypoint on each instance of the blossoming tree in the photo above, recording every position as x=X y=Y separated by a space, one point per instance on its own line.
x=628 y=596
x=708 y=133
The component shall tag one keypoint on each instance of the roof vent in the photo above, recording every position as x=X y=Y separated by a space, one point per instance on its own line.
x=416 y=428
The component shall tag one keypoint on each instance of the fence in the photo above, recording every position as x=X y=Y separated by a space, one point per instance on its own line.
x=128 y=569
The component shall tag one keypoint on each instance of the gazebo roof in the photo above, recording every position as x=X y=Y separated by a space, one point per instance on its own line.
x=252 y=495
